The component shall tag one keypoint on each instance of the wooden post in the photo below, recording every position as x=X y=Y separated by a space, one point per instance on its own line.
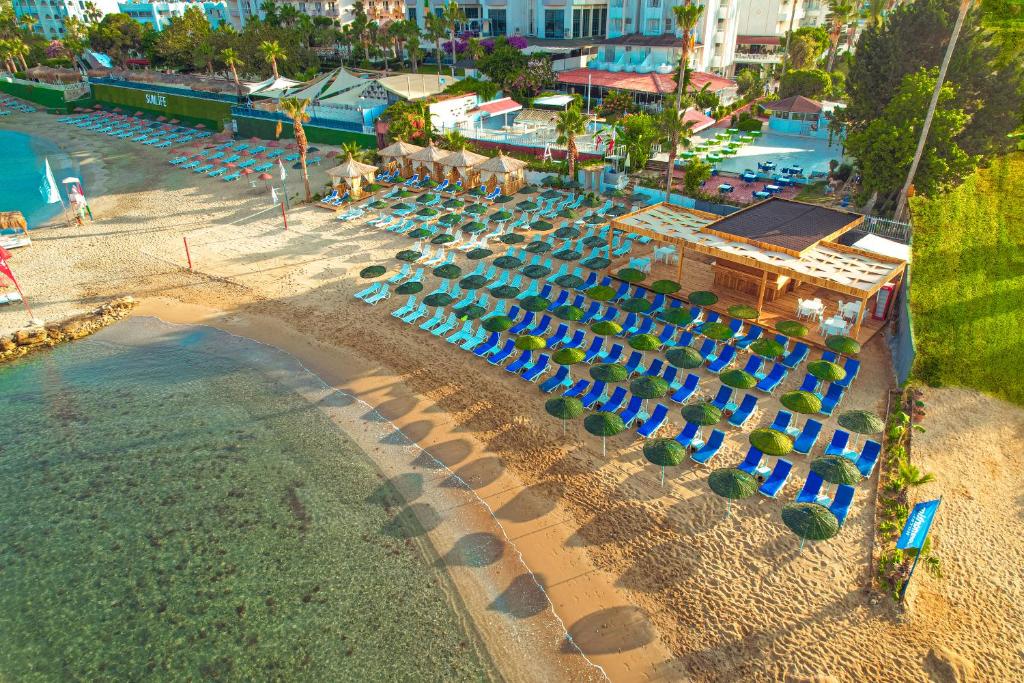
x=860 y=316
x=679 y=269
x=611 y=237
x=760 y=292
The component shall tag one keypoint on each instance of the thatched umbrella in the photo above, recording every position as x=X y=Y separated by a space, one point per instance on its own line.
x=738 y=379
x=743 y=312
x=702 y=414
x=512 y=238
x=703 y=298
x=535 y=304
x=408 y=255
x=604 y=424
x=530 y=342
x=810 y=521
x=861 y=422
x=665 y=287
x=569 y=312
x=767 y=348
x=568 y=357
x=791 y=328
x=644 y=342
x=569 y=281
x=438 y=299
x=497 y=323
x=478 y=253
x=508 y=262
x=527 y=205
x=567 y=254
x=648 y=386
x=528 y=189
x=601 y=293
x=771 y=441
x=505 y=292
x=372 y=272
x=536 y=271
x=843 y=345
x=635 y=305
x=716 y=331
x=685 y=357
x=664 y=452
x=825 y=371
x=541 y=226
x=596 y=262
x=567 y=233
x=609 y=373
x=448 y=271
x=538 y=247
x=606 y=328
x=474 y=281
x=732 y=484
x=631 y=275
x=836 y=469
x=412 y=287
x=564 y=408
x=677 y=316
x=803 y=402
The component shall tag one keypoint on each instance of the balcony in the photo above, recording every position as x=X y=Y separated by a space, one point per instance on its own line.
x=758 y=57
x=719 y=37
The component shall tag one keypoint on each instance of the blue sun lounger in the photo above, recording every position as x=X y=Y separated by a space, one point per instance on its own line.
x=633 y=411
x=832 y=398
x=777 y=479
x=752 y=461
x=868 y=457
x=744 y=411
x=687 y=390
x=490 y=345
x=773 y=379
x=232 y=176
x=707 y=452
x=812 y=488
x=808 y=437
x=595 y=394
x=520 y=362
x=502 y=354
x=722 y=398
x=840 y=506
x=615 y=401
x=559 y=379
x=837 y=446
x=538 y=368
x=653 y=423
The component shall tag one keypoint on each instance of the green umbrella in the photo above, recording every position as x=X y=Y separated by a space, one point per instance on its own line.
x=635 y=305
x=685 y=357
x=506 y=292
x=568 y=213
x=478 y=191
x=665 y=287
x=595 y=241
x=703 y=298
x=732 y=484
x=843 y=345
x=550 y=194
x=743 y=312
x=535 y=304
x=676 y=316
x=538 y=247
x=501 y=216
x=648 y=386
x=417 y=233
x=631 y=275
x=502 y=199
x=426 y=197
x=702 y=413
x=528 y=189
x=564 y=408
x=825 y=371
x=438 y=299
x=453 y=203
x=836 y=469
x=530 y=342
x=409 y=288
x=408 y=255
x=609 y=372
x=473 y=282
x=664 y=452
x=443 y=239
x=767 y=348
x=606 y=328
x=861 y=422
x=616 y=211
x=716 y=331
x=810 y=521
x=570 y=313
x=497 y=323
x=448 y=271
x=401 y=206
x=601 y=293
x=536 y=271
x=449 y=219
x=596 y=220
x=644 y=342
x=803 y=402
x=771 y=441
x=475 y=209
x=738 y=379
x=512 y=238
x=508 y=262
x=541 y=226
x=567 y=255
x=527 y=205
x=596 y=262
x=372 y=271
x=378 y=204
x=603 y=425
x=474 y=227
x=568 y=357
x=569 y=281
x=791 y=328
x=470 y=311
x=477 y=254
x=567 y=233
x=638 y=197
x=403 y=194
x=427 y=211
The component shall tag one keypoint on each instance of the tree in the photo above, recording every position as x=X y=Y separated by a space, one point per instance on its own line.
x=19 y=49
x=75 y=34
x=673 y=131
x=453 y=140
x=885 y=149
x=687 y=16
x=272 y=52
x=409 y=120
x=181 y=43
x=531 y=80
x=802 y=52
x=485 y=90
x=503 y=63
x=813 y=83
x=705 y=98
x=569 y=124
x=436 y=30
x=28 y=21
x=910 y=476
x=840 y=14
x=117 y=35
x=92 y=13
x=749 y=81
x=295 y=109
x=697 y=172
x=412 y=44
x=268 y=8
x=358 y=153
x=637 y=134
x=6 y=57
x=453 y=16
x=230 y=59
x=616 y=104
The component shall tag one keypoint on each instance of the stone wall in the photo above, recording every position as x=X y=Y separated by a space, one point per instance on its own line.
x=30 y=339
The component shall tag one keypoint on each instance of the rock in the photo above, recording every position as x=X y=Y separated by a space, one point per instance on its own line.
x=946 y=666
x=31 y=338
x=7 y=344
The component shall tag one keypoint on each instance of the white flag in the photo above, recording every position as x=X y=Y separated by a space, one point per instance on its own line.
x=48 y=186
x=273 y=196
x=281 y=166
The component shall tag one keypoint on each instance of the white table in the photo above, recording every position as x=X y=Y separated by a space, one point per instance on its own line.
x=834 y=325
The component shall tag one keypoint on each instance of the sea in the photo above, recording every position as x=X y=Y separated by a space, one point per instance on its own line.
x=23 y=157
x=178 y=503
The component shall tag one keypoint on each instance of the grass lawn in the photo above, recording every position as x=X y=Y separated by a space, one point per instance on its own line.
x=967 y=282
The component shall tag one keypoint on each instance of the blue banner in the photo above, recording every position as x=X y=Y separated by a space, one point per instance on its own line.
x=919 y=521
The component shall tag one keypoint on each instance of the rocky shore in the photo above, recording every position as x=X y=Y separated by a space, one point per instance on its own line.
x=29 y=339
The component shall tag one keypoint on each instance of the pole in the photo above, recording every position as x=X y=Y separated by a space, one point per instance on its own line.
x=903 y=591
x=284 y=186
x=589 y=79
x=284 y=216
x=188 y=256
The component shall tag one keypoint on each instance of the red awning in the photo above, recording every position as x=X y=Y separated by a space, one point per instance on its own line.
x=648 y=83
x=505 y=105
x=700 y=121
x=758 y=40
x=137 y=62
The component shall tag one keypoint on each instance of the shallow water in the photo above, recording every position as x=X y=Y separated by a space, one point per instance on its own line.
x=22 y=174
x=171 y=509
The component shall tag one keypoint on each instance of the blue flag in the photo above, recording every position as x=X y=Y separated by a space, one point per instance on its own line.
x=919 y=522
x=48 y=186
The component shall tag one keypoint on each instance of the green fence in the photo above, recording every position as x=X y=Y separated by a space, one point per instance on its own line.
x=249 y=126
x=188 y=109
x=41 y=94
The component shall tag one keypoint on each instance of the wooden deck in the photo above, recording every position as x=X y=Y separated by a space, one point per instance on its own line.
x=697 y=275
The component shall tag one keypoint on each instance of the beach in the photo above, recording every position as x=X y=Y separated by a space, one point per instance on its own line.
x=651 y=583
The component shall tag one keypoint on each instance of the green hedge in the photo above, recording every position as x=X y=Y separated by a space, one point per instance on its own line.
x=267 y=129
x=189 y=110
x=40 y=94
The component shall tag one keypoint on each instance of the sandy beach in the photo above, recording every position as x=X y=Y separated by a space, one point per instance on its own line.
x=652 y=583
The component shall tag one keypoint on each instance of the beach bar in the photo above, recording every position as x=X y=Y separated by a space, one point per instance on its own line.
x=780 y=256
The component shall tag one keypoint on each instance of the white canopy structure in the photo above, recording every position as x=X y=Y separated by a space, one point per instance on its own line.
x=427 y=161
x=503 y=171
x=352 y=173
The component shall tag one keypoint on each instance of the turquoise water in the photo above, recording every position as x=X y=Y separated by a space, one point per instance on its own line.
x=173 y=508
x=785 y=150
x=23 y=172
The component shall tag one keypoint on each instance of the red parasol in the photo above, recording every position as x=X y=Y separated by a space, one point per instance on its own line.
x=139 y=113
x=175 y=121
x=200 y=126
x=247 y=171
x=332 y=153
x=118 y=110
x=254 y=139
x=265 y=176
x=161 y=118
x=293 y=145
x=274 y=143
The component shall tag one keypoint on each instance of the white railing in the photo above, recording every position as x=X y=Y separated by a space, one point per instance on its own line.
x=765 y=58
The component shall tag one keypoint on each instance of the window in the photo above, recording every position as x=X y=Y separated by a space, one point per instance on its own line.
x=576 y=33
x=554 y=23
x=652 y=28
x=410 y=14
x=600 y=20
x=498 y=22
x=668 y=28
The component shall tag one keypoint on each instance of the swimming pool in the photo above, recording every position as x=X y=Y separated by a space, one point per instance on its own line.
x=785 y=150
x=23 y=172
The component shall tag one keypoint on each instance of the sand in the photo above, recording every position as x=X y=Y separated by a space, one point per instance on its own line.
x=652 y=583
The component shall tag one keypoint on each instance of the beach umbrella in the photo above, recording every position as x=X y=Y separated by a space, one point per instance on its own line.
x=836 y=469
x=427 y=211
x=685 y=357
x=378 y=204
x=738 y=379
x=703 y=298
x=732 y=484
x=313 y=149
x=475 y=208
x=743 y=312
x=527 y=205
x=638 y=197
x=567 y=233
x=508 y=262
x=162 y=119
x=767 y=348
x=568 y=357
x=473 y=281
x=702 y=413
x=417 y=233
x=528 y=189
x=372 y=271
x=647 y=387
x=843 y=345
x=676 y=316
x=635 y=305
x=448 y=219
x=478 y=191
x=438 y=299
x=771 y=441
x=665 y=287
x=596 y=262
x=497 y=323
x=530 y=342
x=568 y=213
x=408 y=255
x=536 y=271
x=716 y=331
x=564 y=408
x=604 y=424
x=567 y=255
x=596 y=220
x=601 y=293
x=609 y=372
x=537 y=247
x=448 y=271
x=570 y=313
x=506 y=292
x=442 y=239
x=453 y=203
x=409 y=288
x=470 y=311
x=550 y=194
x=791 y=328
x=541 y=226
x=810 y=521
x=473 y=227
x=512 y=238
x=606 y=328
x=664 y=452
x=401 y=206
x=569 y=281
x=595 y=241
x=535 y=304
x=403 y=193
x=591 y=201
x=825 y=371
x=631 y=275
x=644 y=342
x=501 y=216
x=861 y=422
x=478 y=253
x=803 y=402
x=616 y=211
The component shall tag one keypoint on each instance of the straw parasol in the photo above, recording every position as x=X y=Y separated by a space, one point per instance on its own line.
x=791 y=328
x=685 y=357
x=536 y=271
x=702 y=414
x=803 y=402
x=508 y=262
x=635 y=305
x=568 y=357
x=825 y=371
x=535 y=304
x=372 y=272
x=738 y=379
x=676 y=316
x=601 y=293
x=631 y=275
x=448 y=271
x=569 y=281
x=505 y=292
x=609 y=372
x=732 y=484
x=478 y=253
x=408 y=255
x=771 y=441
x=512 y=238
x=413 y=287
x=767 y=348
x=716 y=331
x=606 y=328
x=836 y=469
x=743 y=312
x=473 y=282
x=861 y=422
x=564 y=408
x=530 y=342
x=843 y=345
x=703 y=298
x=664 y=452
x=644 y=342
x=13 y=220
x=665 y=287
x=438 y=299
x=497 y=323
x=569 y=312
x=810 y=521
x=604 y=424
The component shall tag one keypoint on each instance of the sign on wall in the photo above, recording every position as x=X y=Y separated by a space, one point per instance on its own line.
x=156 y=100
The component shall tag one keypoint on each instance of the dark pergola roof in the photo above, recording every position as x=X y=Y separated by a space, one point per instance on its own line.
x=796 y=103
x=785 y=225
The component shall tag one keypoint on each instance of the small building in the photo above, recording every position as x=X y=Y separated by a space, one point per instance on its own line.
x=502 y=171
x=350 y=176
x=647 y=88
x=158 y=15
x=396 y=156
x=799 y=115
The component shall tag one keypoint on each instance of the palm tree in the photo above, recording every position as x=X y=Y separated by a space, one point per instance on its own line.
x=272 y=51
x=295 y=109
x=674 y=131
x=840 y=15
x=29 y=21
x=453 y=140
x=687 y=16
x=288 y=15
x=911 y=476
x=453 y=16
x=231 y=61
x=355 y=151
x=18 y=51
x=5 y=55
x=570 y=123
x=436 y=32
x=92 y=13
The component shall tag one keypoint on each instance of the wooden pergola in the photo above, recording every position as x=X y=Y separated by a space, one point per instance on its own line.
x=397 y=155
x=822 y=261
x=428 y=161
x=506 y=172
x=461 y=166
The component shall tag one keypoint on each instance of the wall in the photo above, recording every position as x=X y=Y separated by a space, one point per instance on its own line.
x=814 y=129
x=41 y=94
x=249 y=126
x=901 y=342
x=191 y=110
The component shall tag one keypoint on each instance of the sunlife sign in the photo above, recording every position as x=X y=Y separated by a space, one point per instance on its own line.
x=156 y=100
